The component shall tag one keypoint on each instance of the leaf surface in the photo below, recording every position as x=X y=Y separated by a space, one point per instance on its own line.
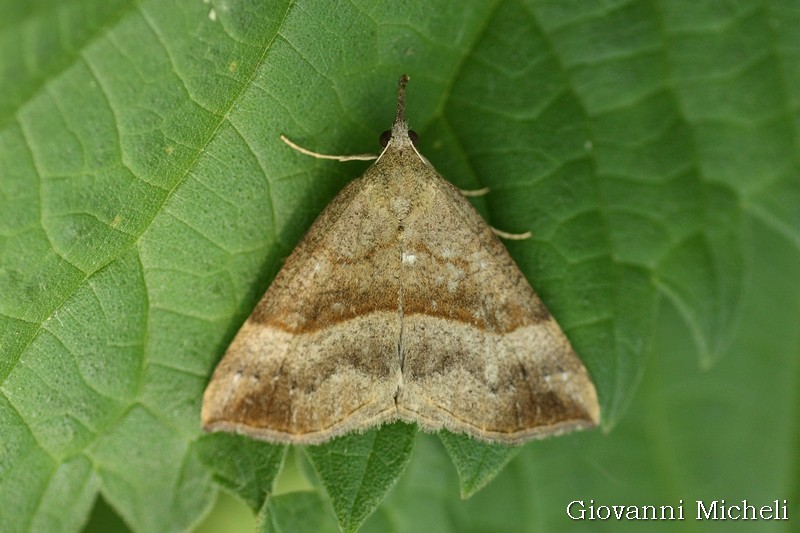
x=146 y=202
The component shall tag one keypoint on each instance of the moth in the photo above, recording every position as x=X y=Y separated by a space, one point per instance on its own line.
x=400 y=303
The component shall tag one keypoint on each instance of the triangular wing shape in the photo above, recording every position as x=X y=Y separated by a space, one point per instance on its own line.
x=400 y=302
x=480 y=352
x=318 y=356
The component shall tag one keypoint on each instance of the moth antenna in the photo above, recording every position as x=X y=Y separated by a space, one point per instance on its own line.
x=317 y=155
x=511 y=236
x=470 y=193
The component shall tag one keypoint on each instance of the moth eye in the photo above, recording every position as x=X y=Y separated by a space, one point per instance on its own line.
x=386 y=136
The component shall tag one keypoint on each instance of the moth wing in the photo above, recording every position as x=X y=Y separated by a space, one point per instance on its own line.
x=294 y=373
x=481 y=353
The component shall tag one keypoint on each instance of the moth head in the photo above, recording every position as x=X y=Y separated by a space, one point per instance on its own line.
x=386 y=136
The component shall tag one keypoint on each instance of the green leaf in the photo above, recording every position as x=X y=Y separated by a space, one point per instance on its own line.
x=246 y=467
x=146 y=203
x=358 y=470
x=298 y=511
x=477 y=462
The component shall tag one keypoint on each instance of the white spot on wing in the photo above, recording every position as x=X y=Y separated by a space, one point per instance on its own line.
x=455 y=276
x=490 y=372
x=409 y=259
x=295 y=320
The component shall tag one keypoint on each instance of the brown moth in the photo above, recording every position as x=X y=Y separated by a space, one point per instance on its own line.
x=400 y=303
